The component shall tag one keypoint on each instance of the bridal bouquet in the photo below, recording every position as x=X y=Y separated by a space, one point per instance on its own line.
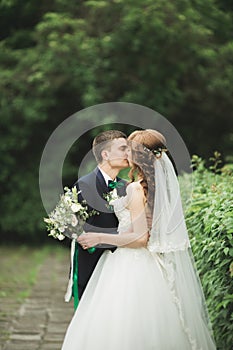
x=69 y=216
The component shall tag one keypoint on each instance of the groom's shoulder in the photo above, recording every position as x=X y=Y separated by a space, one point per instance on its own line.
x=87 y=179
x=125 y=182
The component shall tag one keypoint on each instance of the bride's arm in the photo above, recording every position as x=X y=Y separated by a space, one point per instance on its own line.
x=135 y=239
x=138 y=216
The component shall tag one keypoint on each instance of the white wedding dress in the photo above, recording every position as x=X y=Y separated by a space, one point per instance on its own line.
x=127 y=305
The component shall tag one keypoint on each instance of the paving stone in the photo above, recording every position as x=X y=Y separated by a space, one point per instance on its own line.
x=54 y=338
x=25 y=337
x=22 y=346
x=50 y=346
x=57 y=327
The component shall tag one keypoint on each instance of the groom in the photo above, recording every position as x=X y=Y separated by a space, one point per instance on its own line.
x=111 y=150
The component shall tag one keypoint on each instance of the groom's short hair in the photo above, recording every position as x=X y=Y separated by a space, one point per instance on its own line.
x=103 y=141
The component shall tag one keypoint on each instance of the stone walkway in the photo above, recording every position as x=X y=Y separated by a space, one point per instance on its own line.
x=41 y=322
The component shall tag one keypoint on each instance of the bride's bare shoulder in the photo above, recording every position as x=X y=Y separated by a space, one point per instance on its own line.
x=134 y=184
x=135 y=196
x=135 y=191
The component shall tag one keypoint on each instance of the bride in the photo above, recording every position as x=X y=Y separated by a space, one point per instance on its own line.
x=147 y=298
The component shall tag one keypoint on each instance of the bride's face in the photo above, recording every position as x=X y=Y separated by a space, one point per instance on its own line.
x=134 y=148
x=130 y=157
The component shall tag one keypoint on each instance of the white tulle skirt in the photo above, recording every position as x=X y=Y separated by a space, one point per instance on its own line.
x=127 y=305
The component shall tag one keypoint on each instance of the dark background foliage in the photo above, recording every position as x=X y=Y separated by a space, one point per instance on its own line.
x=58 y=58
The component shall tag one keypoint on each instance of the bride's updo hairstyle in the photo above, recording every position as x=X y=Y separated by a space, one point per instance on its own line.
x=147 y=145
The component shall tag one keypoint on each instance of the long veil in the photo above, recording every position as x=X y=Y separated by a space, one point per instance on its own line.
x=169 y=240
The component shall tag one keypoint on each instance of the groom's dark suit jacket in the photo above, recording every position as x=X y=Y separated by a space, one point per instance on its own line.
x=93 y=187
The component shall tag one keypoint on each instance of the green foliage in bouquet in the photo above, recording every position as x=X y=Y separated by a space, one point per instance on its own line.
x=209 y=219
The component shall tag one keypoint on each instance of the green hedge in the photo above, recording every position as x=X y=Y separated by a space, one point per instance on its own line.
x=210 y=224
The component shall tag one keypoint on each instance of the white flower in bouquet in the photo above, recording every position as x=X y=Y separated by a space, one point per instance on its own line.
x=69 y=216
x=60 y=237
x=76 y=207
x=53 y=232
x=74 y=220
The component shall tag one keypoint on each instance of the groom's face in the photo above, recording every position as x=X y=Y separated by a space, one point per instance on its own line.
x=117 y=154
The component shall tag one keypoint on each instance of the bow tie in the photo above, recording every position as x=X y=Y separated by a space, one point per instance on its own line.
x=114 y=184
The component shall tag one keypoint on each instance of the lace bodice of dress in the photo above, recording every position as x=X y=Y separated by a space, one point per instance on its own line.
x=122 y=213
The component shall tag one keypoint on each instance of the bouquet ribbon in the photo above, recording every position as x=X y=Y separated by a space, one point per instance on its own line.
x=75 y=274
x=75 y=277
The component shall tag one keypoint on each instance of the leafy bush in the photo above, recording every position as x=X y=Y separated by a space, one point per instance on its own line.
x=210 y=223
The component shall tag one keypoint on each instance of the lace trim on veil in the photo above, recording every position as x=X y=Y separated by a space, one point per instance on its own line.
x=168 y=247
x=170 y=271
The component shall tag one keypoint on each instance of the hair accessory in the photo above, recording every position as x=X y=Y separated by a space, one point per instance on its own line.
x=157 y=151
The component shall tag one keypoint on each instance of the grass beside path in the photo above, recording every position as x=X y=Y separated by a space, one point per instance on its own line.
x=19 y=266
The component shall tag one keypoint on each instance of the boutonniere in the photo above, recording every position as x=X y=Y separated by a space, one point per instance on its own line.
x=109 y=197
